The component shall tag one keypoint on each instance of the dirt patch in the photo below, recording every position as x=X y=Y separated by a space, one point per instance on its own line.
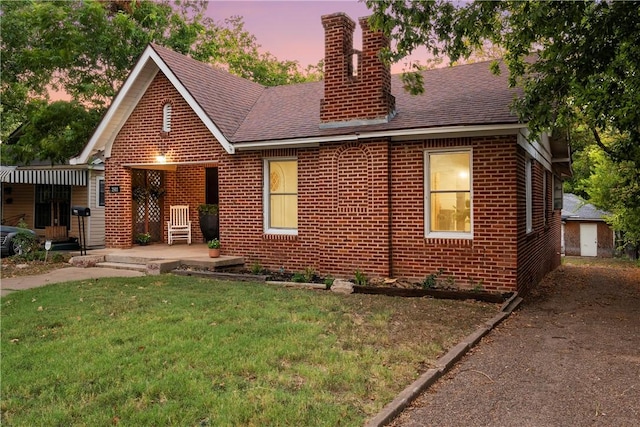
x=18 y=266
x=569 y=356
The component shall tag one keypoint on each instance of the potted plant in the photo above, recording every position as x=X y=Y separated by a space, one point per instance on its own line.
x=209 y=224
x=143 y=238
x=214 y=248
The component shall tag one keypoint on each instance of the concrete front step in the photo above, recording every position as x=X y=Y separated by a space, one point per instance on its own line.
x=123 y=266
x=152 y=265
x=126 y=259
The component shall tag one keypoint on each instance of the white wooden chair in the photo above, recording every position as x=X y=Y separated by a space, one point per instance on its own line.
x=179 y=225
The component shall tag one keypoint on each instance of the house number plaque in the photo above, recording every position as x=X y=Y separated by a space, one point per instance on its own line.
x=114 y=189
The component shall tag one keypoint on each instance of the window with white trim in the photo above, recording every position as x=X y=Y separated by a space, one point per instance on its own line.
x=100 y=192
x=557 y=192
x=166 y=117
x=448 y=196
x=528 y=171
x=281 y=196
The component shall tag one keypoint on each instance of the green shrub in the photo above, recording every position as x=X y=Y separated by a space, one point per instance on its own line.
x=309 y=274
x=328 y=281
x=256 y=268
x=25 y=242
x=361 y=278
x=431 y=280
x=208 y=209
x=298 y=278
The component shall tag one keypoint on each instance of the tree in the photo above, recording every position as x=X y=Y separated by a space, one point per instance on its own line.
x=87 y=48
x=53 y=132
x=607 y=184
x=578 y=63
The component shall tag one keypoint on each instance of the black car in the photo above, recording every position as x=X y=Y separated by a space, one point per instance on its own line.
x=11 y=246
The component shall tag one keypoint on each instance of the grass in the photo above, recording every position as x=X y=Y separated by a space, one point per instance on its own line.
x=169 y=350
x=602 y=262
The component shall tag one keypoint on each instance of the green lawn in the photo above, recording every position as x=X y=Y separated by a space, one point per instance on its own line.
x=170 y=350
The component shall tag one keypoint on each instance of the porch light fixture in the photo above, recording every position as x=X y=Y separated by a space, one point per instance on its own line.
x=161 y=158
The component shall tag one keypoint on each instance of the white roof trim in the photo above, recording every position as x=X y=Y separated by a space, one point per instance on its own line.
x=104 y=136
x=402 y=134
x=535 y=149
x=292 y=143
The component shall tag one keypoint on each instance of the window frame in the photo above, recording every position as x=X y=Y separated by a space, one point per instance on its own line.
x=100 y=180
x=460 y=235
x=266 y=193
x=528 y=184
x=558 y=193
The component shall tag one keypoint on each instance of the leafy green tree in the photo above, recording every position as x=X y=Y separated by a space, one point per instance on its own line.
x=570 y=57
x=614 y=186
x=578 y=64
x=87 y=48
x=53 y=132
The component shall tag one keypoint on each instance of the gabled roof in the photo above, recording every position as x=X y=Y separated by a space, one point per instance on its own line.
x=243 y=114
x=226 y=98
x=455 y=96
x=574 y=208
x=220 y=99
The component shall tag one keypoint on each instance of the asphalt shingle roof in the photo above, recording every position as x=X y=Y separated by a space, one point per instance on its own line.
x=245 y=111
x=573 y=207
x=226 y=98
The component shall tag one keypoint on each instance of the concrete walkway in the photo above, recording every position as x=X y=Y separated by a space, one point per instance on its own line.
x=194 y=254
x=67 y=274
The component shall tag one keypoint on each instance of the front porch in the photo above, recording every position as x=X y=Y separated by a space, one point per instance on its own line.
x=156 y=258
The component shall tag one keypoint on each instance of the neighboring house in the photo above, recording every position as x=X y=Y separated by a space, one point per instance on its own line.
x=43 y=195
x=345 y=174
x=584 y=230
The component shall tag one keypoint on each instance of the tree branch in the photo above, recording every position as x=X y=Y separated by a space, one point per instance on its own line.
x=601 y=145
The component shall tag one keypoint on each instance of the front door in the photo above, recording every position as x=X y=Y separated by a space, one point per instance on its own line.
x=588 y=240
x=147 y=188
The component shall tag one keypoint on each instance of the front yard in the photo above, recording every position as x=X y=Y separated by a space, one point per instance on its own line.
x=171 y=350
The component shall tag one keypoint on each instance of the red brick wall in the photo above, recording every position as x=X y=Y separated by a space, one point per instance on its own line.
x=539 y=250
x=491 y=256
x=343 y=215
x=365 y=95
x=140 y=140
x=336 y=234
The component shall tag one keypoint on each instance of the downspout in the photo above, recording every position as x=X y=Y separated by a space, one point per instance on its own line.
x=389 y=210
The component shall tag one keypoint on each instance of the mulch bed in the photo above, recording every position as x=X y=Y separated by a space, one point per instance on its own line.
x=400 y=288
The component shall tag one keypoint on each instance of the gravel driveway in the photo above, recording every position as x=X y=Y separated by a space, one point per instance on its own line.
x=570 y=356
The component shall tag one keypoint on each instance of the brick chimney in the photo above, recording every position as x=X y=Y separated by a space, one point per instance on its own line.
x=357 y=84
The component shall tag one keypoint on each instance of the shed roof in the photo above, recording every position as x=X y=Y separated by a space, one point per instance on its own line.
x=576 y=209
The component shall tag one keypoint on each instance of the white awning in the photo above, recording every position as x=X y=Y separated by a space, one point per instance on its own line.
x=77 y=177
x=5 y=172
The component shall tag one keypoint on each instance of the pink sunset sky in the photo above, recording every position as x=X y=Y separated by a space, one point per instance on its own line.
x=292 y=30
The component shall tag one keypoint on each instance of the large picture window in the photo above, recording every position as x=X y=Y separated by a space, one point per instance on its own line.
x=448 y=197
x=281 y=196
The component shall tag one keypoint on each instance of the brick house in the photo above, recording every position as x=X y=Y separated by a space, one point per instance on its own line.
x=349 y=173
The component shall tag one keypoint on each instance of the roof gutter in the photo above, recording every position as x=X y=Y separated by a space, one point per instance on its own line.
x=396 y=135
